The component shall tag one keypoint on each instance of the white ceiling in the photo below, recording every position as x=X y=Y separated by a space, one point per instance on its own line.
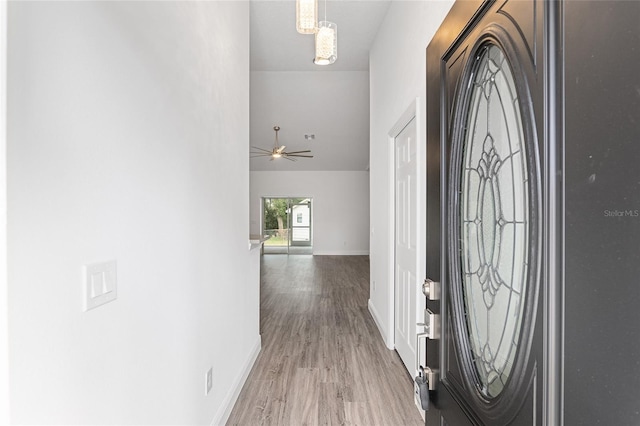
x=288 y=90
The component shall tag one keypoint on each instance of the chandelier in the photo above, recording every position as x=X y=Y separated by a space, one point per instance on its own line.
x=306 y=16
x=326 y=33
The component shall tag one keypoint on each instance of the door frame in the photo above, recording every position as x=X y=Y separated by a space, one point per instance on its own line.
x=413 y=112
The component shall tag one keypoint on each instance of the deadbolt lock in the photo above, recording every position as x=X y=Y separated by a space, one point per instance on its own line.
x=431 y=289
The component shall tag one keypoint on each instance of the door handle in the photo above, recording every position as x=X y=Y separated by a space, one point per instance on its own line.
x=419 y=338
x=431 y=330
x=431 y=325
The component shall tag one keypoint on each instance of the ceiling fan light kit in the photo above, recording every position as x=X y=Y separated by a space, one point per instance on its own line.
x=278 y=151
x=326 y=33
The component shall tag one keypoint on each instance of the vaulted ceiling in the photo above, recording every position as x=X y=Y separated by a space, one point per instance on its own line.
x=289 y=90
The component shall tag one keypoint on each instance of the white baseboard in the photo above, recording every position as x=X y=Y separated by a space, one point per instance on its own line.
x=341 y=253
x=376 y=319
x=230 y=399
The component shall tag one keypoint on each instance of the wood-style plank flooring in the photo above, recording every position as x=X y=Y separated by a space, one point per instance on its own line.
x=323 y=361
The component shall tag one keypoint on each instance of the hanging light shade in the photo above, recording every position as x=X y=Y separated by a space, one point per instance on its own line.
x=326 y=43
x=306 y=16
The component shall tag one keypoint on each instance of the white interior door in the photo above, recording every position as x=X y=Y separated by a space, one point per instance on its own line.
x=408 y=298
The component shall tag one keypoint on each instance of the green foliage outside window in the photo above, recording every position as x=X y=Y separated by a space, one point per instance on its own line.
x=275 y=208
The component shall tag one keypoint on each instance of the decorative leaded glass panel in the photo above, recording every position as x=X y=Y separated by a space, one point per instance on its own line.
x=494 y=220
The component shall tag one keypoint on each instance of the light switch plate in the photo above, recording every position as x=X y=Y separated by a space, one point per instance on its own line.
x=99 y=284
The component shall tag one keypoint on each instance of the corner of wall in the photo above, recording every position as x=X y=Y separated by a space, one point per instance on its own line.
x=405 y=32
x=376 y=318
x=231 y=397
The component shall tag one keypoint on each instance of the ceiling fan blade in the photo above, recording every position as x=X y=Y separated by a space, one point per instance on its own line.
x=278 y=151
x=261 y=149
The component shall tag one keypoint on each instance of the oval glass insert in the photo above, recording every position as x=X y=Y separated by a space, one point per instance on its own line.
x=494 y=220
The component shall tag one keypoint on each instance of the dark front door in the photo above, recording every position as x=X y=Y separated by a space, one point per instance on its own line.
x=601 y=128
x=488 y=201
x=533 y=214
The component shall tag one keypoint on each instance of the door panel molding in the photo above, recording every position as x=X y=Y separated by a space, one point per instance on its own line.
x=524 y=21
x=454 y=73
x=508 y=400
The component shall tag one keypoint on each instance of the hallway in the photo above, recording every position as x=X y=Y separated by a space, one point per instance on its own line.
x=322 y=360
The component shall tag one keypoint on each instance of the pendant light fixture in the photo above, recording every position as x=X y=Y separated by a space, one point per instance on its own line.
x=326 y=41
x=306 y=16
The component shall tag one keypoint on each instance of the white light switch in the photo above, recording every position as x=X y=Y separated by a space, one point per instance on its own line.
x=100 y=284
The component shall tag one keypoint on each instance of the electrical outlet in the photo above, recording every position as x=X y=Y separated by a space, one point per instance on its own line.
x=374 y=285
x=208 y=381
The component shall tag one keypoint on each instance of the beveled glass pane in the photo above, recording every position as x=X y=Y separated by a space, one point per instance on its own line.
x=494 y=216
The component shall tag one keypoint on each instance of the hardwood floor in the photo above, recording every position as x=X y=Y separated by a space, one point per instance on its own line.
x=323 y=361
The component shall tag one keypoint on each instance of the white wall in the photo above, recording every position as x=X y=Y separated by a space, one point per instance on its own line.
x=340 y=207
x=332 y=105
x=4 y=303
x=398 y=77
x=128 y=140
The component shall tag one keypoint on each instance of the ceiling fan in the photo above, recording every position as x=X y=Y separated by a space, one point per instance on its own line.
x=278 y=151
